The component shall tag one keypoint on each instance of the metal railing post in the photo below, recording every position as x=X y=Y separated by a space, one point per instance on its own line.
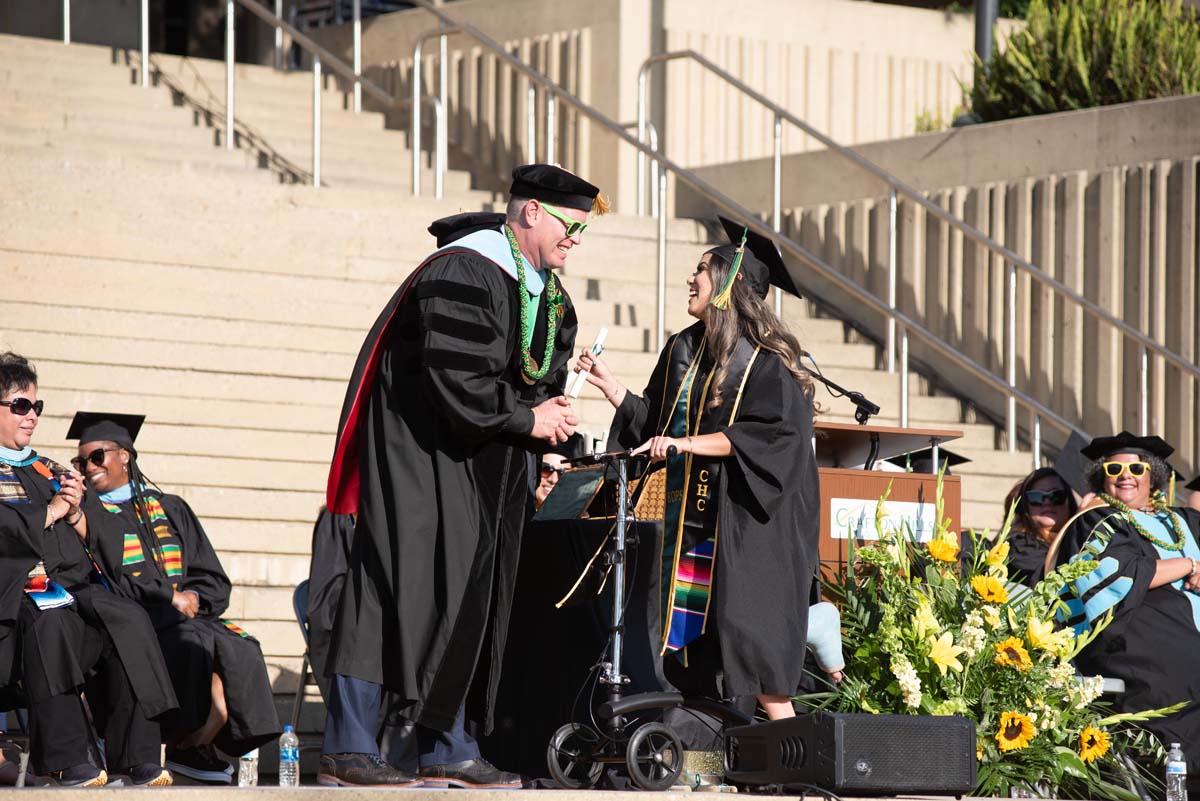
x=1010 y=347
x=660 y=317
x=652 y=130
x=229 y=56
x=440 y=149
x=641 y=136
x=777 y=198
x=903 y=377
x=891 y=323
x=443 y=124
x=66 y=21
x=145 y=43
x=551 y=130
x=1037 y=440
x=279 y=36
x=357 y=56
x=1144 y=391
x=316 y=121
x=531 y=123
x=415 y=139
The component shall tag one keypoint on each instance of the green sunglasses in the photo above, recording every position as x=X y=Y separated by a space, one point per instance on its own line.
x=573 y=226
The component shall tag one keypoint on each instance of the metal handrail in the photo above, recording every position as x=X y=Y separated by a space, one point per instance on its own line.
x=726 y=204
x=440 y=142
x=898 y=186
x=322 y=59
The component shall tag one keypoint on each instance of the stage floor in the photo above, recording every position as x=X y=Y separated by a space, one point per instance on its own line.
x=351 y=793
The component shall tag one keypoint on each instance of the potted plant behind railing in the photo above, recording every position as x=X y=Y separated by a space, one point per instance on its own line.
x=929 y=633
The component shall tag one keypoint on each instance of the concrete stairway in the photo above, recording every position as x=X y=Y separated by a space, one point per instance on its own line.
x=144 y=269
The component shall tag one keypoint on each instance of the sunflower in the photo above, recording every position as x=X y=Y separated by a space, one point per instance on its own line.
x=1093 y=743
x=990 y=589
x=1012 y=652
x=942 y=550
x=1016 y=730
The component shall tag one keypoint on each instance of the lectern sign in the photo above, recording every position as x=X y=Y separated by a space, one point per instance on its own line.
x=856 y=517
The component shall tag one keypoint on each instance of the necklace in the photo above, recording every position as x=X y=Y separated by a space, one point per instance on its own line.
x=1159 y=503
x=530 y=370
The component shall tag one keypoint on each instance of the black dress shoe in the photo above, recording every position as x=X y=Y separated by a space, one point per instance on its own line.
x=362 y=770
x=474 y=774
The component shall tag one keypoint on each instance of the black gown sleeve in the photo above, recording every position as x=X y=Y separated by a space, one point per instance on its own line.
x=634 y=420
x=20 y=550
x=1125 y=566
x=205 y=576
x=771 y=436
x=466 y=314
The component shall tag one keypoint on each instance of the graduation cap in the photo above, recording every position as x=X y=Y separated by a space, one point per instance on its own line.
x=761 y=263
x=1125 y=442
x=106 y=427
x=554 y=185
x=1072 y=465
x=922 y=461
x=456 y=226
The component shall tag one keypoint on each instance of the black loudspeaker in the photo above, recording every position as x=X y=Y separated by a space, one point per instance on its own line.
x=867 y=754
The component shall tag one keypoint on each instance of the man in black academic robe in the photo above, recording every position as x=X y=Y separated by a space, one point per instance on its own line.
x=462 y=372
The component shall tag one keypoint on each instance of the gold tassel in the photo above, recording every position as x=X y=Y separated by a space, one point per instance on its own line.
x=722 y=299
x=600 y=205
x=1171 y=497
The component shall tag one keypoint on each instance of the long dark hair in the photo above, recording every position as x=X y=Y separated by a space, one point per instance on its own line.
x=748 y=316
x=1022 y=519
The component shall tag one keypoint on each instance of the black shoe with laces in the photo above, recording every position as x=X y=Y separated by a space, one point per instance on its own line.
x=362 y=770
x=200 y=763
x=474 y=774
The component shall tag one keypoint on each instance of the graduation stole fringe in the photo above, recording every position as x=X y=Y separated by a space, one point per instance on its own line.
x=723 y=298
x=690 y=590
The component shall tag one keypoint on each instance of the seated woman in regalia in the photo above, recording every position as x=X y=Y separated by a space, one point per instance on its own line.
x=160 y=556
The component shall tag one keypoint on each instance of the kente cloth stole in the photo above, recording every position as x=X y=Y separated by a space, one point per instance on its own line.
x=690 y=529
x=167 y=555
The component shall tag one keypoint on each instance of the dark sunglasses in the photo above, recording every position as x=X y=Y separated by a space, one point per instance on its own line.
x=1040 y=498
x=548 y=468
x=23 y=406
x=96 y=457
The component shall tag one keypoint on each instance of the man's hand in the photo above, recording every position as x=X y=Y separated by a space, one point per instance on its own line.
x=187 y=603
x=554 y=420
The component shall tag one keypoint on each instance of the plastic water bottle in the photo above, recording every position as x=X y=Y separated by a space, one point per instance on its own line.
x=1176 y=774
x=289 y=758
x=248 y=769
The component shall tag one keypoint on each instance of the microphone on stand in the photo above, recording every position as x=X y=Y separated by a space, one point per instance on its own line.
x=580 y=378
x=864 y=408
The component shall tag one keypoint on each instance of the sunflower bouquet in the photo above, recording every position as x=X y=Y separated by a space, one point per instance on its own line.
x=930 y=631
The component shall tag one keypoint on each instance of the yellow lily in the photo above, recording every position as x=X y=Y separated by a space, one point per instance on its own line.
x=944 y=653
x=1041 y=635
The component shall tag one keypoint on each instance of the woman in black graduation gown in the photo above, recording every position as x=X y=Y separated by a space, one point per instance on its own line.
x=62 y=631
x=1044 y=503
x=157 y=552
x=731 y=412
x=1148 y=575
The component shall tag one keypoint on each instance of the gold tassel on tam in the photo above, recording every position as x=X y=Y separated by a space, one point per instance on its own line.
x=722 y=299
x=600 y=205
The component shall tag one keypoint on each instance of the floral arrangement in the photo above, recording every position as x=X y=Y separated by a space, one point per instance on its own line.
x=929 y=633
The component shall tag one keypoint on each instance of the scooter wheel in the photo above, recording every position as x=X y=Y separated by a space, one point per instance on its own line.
x=654 y=757
x=571 y=757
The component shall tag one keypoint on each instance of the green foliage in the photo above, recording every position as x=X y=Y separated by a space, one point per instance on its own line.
x=1075 y=54
x=927 y=632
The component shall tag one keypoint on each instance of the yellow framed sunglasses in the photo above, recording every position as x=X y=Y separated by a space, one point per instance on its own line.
x=574 y=227
x=1136 y=469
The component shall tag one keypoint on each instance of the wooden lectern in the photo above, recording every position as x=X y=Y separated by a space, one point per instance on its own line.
x=849 y=494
